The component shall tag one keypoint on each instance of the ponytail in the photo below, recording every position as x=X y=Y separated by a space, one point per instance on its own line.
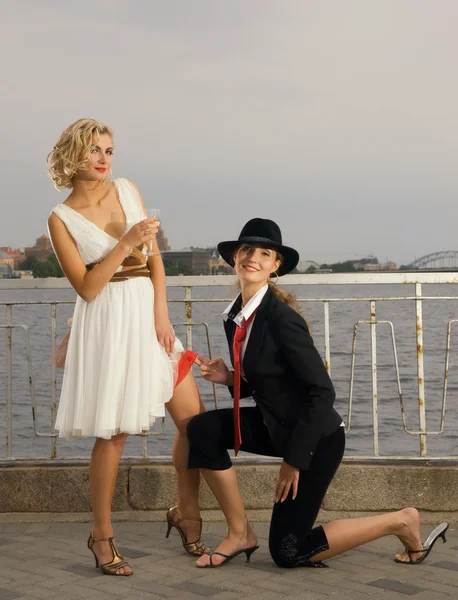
x=287 y=297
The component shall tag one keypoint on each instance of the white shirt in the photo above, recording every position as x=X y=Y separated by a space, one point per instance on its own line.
x=244 y=315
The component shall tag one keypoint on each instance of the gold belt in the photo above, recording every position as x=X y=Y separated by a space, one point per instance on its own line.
x=134 y=265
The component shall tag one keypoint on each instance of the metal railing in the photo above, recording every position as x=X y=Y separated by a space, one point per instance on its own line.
x=416 y=279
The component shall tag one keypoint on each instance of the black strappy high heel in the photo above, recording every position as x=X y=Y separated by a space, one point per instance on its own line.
x=438 y=532
x=228 y=557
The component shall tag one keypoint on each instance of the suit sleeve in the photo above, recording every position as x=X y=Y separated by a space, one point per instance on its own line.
x=296 y=345
x=245 y=389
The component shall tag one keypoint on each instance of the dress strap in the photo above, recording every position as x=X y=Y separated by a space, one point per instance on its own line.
x=130 y=199
x=70 y=220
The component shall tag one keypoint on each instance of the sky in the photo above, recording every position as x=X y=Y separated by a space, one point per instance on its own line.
x=335 y=118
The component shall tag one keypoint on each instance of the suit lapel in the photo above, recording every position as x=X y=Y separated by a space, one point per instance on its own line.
x=229 y=325
x=256 y=338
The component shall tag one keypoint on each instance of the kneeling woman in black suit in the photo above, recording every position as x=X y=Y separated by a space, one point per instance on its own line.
x=277 y=364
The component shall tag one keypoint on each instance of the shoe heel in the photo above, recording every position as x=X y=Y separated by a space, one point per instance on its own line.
x=444 y=539
x=196 y=548
x=249 y=552
x=169 y=529
x=90 y=544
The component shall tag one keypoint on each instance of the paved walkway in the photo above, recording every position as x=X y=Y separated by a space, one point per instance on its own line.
x=52 y=561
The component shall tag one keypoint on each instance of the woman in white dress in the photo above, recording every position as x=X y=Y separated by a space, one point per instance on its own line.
x=123 y=363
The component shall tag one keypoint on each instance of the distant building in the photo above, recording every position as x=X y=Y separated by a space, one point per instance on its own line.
x=307 y=266
x=42 y=249
x=367 y=264
x=162 y=241
x=17 y=254
x=195 y=259
x=24 y=274
x=6 y=271
x=217 y=265
x=371 y=260
x=6 y=260
x=372 y=264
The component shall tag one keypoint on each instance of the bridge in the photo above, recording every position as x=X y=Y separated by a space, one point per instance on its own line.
x=437 y=261
x=445 y=260
x=305 y=264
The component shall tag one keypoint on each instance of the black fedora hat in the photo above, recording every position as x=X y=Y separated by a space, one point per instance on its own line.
x=265 y=233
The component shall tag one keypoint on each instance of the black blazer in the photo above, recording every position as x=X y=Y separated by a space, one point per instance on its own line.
x=287 y=379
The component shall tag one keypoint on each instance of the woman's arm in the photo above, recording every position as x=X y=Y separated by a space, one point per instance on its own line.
x=296 y=344
x=246 y=390
x=88 y=284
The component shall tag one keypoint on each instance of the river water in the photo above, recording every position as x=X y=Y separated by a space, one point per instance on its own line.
x=343 y=315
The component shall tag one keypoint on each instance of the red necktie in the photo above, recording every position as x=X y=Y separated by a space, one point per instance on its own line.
x=239 y=338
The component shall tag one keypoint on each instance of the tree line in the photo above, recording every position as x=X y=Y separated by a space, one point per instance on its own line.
x=42 y=268
x=341 y=267
x=50 y=267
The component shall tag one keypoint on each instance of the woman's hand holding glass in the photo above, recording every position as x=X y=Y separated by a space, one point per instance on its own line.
x=141 y=233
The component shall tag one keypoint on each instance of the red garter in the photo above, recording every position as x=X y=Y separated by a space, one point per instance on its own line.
x=187 y=359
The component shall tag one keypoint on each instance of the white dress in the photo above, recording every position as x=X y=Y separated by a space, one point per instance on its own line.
x=117 y=376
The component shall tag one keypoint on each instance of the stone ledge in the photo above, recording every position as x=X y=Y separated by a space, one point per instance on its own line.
x=390 y=487
x=357 y=488
x=53 y=489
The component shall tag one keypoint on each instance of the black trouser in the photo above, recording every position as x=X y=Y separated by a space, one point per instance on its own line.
x=292 y=539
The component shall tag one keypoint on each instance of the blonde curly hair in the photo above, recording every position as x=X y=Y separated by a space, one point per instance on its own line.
x=72 y=150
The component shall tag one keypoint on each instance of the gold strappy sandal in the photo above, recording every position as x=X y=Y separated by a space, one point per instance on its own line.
x=112 y=567
x=174 y=518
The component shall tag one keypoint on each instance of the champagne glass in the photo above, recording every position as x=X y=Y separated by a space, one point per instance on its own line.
x=152 y=213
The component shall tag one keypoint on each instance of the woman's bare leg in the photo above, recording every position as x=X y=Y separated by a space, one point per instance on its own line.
x=240 y=535
x=342 y=535
x=349 y=533
x=184 y=405
x=103 y=469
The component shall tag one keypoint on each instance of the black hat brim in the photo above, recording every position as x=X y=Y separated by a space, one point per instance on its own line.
x=290 y=256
